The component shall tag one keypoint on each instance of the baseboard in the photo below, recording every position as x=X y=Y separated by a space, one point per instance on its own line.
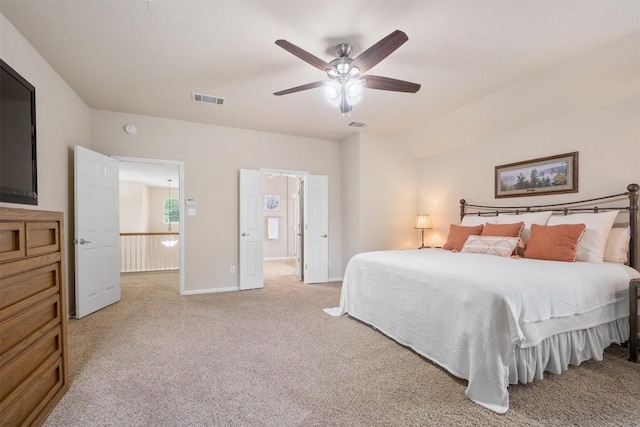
x=278 y=258
x=210 y=290
x=335 y=279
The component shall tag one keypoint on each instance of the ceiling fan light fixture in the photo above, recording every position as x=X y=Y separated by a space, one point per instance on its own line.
x=333 y=91
x=348 y=75
x=342 y=68
x=353 y=91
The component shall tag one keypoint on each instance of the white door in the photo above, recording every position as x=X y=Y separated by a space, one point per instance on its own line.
x=97 y=231
x=297 y=228
x=251 y=229
x=316 y=233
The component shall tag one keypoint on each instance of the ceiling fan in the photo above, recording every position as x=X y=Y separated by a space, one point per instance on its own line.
x=346 y=78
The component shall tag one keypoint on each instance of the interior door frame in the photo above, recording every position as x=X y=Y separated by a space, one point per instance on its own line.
x=181 y=198
x=300 y=175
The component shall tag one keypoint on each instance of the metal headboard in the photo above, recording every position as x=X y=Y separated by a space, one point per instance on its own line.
x=588 y=205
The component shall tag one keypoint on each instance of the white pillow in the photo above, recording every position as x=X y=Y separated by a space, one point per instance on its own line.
x=472 y=219
x=591 y=246
x=529 y=218
x=617 y=247
x=491 y=245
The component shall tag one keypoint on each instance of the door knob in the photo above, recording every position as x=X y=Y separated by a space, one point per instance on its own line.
x=323 y=235
x=244 y=234
x=81 y=241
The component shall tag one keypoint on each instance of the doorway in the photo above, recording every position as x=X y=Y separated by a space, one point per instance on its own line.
x=283 y=234
x=152 y=218
x=254 y=228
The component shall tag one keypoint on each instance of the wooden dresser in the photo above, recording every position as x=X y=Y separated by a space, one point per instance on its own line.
x=33 y=325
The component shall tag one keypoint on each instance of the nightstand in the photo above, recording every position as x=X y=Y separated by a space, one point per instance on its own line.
x=634 y=319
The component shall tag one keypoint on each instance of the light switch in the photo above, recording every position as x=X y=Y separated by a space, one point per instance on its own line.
x=191 y=211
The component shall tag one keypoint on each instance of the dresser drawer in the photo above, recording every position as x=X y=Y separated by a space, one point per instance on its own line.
x=12 y=241
x=20 y=331
x=42 y=237
x=20 y=291
x=27 y=362
x=27 y=402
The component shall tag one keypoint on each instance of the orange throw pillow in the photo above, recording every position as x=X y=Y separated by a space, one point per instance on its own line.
x=458 y=234
x=503 y=230
x=554 y=242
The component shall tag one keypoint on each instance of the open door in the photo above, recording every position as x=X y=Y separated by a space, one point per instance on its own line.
x=97 y=231
x=298 y=229
x=251 y=229
x=316 y=229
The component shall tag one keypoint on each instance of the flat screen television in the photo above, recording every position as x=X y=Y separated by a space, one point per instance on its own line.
x=18 y=175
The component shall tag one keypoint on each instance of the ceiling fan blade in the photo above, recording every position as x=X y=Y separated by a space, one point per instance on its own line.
x=385 y=83
x=299 y=88
x=304 y=55
x=376 y=53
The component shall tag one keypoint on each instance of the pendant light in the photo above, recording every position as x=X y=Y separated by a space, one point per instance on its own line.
x=169 y=240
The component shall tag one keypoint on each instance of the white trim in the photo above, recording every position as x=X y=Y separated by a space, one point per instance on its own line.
x=335 y=279
x=211 y=290
x=181 y=197
x=279 y=258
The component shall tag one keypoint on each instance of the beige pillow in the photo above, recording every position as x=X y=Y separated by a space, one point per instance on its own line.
x=592 y=244
x=617 y=247
x=491 y=245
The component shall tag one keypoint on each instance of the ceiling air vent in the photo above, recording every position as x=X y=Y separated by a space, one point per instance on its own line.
x=358 y=124
x=201 y=97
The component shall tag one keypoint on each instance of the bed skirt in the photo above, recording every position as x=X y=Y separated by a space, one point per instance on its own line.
x=556 y=353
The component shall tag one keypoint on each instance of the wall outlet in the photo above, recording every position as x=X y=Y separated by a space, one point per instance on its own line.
x=232 y=270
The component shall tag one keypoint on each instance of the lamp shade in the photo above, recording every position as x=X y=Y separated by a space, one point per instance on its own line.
x=423 y=221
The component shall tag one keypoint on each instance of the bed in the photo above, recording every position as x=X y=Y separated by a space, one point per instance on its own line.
x=499 y=320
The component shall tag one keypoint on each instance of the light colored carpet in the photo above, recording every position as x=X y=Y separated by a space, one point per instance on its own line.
x=272 y=357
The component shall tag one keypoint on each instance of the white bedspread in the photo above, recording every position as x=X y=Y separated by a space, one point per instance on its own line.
x=467 y=312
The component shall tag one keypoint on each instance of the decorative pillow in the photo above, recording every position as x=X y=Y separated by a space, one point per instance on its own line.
x=471 y=220
x=529 y=218
x=458 y=234
x=503 y=230
x=554 y=242
x=591 y=247
x=617 y=247
x=491 y=245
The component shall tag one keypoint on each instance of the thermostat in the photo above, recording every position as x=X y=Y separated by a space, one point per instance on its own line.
x=192 y=202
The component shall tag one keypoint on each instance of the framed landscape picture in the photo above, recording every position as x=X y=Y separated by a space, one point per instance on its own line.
x=547 y=175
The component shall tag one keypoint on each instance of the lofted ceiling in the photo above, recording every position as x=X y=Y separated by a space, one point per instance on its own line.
x=148 y=57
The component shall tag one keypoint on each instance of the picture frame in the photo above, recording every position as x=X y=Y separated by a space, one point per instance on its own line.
x=546 y=175
x=271 y=202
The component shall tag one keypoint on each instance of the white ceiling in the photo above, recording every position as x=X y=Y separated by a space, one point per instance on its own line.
x=151 y=174
x=147 y=57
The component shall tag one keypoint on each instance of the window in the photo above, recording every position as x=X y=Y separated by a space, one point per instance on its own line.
x=171 y=211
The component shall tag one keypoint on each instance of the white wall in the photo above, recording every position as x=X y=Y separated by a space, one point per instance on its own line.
x=601 y=121
x=379 y=195
x=134 y=200
x=62 y=121
x=212 y=156
x=388 y=190
x=350 y=170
